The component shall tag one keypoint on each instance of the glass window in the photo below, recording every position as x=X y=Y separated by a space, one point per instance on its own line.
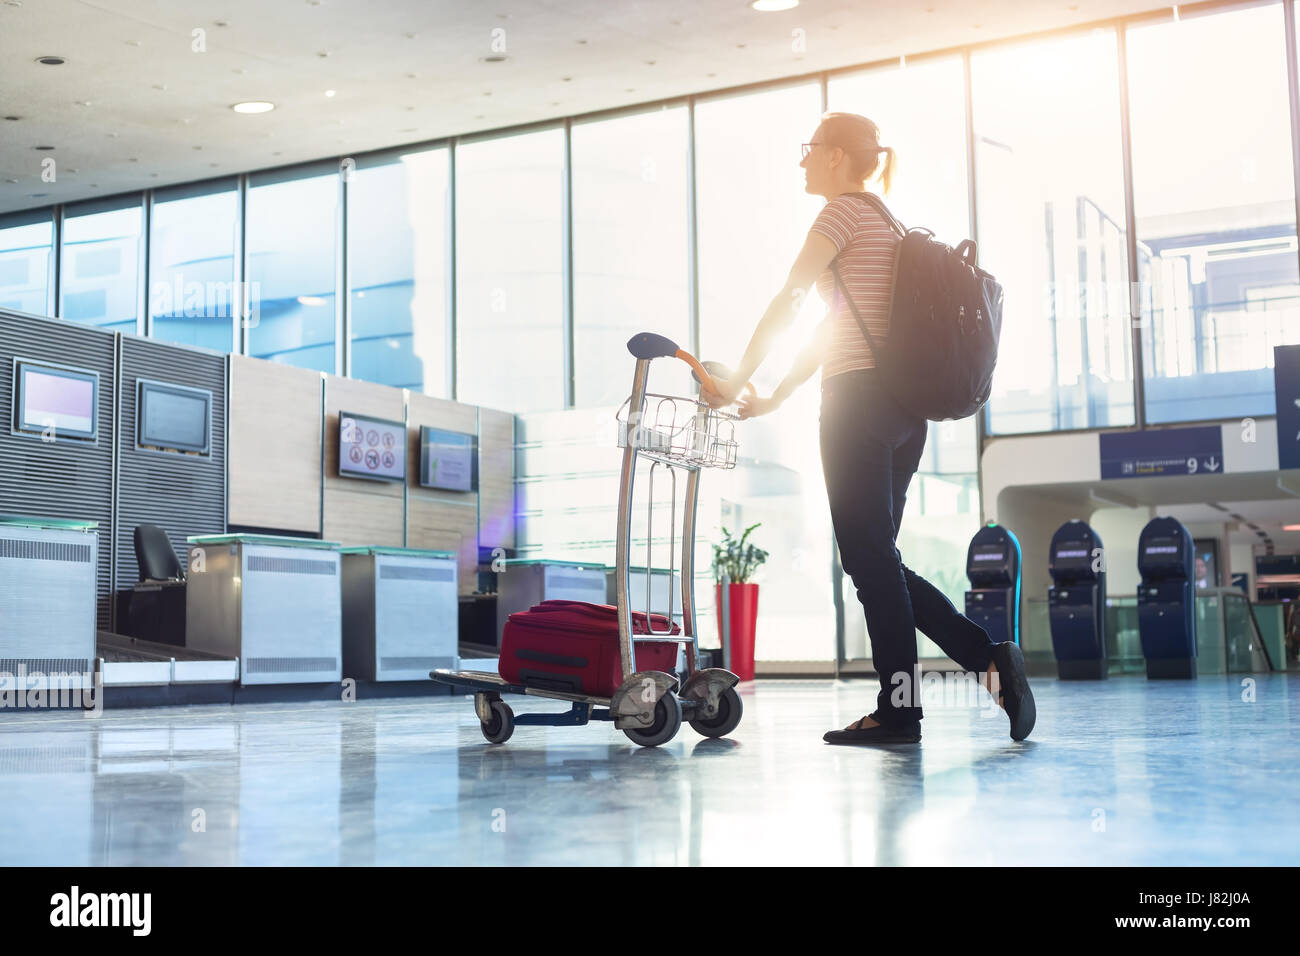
x=509 y=256
x=752 y=218
x=921 y=111
x=1049 y=174
x=1213 y=192
x=630 y=255
x=291 y=269
x=192 y=272
x=101 y=264
x=26 y=247
x=397 y=260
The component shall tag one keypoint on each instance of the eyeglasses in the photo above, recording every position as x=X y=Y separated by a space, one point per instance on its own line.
x=807 y=148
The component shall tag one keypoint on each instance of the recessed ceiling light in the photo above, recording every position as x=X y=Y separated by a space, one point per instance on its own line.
x=1285 y=527
x=51 y=60
x=13 y=119
x=310 y=300
x=43 y=147
x=494 y=58
x=329 y=92
x=774 y=6
x=39 y=195
x=253 y=106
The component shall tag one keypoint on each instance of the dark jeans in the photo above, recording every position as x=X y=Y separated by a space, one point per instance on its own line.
x=870 y=448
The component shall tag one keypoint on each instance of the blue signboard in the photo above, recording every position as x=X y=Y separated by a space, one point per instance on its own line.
x=1286 y=385
x=1164 y=452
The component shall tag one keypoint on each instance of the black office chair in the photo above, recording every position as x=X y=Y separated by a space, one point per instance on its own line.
x=155 y=556
x=155 y=608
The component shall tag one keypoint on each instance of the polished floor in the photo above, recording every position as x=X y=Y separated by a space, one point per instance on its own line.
x=1123 y=772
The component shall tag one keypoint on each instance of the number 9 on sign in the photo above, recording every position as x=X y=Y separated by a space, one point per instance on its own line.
x=1191 y=465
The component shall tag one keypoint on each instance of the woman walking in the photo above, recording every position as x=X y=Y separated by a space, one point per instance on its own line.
x=870 y=445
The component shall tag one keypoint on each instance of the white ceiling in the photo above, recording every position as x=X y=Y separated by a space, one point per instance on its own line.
x=134 y=106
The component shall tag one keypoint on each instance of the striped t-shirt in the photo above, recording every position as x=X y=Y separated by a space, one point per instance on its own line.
x=867 y=247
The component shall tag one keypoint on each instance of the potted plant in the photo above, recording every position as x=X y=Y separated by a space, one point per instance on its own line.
x=734 y=561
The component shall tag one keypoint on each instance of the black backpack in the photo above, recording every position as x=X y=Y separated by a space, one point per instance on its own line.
x=945 y=319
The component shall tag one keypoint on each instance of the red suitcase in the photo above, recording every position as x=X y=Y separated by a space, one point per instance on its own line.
x=573 y=646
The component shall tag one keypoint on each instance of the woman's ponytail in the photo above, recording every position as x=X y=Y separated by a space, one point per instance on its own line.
x=859 y=137
x=887 y=168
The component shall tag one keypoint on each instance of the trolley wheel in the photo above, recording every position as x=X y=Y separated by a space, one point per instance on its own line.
x=501 y=726
x=726 y=720
x=668 y=720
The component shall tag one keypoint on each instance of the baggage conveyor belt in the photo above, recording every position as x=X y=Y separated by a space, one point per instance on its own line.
x=131 y=662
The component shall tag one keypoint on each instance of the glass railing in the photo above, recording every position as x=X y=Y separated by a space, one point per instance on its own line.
x=1228 y=636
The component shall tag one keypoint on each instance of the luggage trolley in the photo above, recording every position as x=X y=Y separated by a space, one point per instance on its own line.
x=648 y=706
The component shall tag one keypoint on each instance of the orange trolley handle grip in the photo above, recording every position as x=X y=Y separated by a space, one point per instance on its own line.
x=650 y=345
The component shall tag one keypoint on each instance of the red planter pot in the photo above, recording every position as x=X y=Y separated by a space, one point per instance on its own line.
x=744 y=625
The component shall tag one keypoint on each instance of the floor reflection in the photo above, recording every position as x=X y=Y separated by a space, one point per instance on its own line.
x=1123 y=772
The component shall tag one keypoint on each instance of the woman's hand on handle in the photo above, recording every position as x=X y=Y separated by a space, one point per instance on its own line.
x=726 y=394
x=751 y=406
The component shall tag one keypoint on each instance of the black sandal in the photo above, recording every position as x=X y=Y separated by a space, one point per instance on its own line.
x=1013 y=689
x=908 y=732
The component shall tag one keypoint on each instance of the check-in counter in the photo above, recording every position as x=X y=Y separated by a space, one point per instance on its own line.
x=662 y=590
x=275 y=603
x=523 y=582
x=400 y=610
x=47 y=601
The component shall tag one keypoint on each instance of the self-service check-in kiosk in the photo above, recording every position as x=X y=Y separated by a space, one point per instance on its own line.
x=1077 y=602
x=993 y=566
x=1165 y=599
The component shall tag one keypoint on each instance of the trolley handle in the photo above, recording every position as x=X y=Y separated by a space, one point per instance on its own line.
x=650 y=345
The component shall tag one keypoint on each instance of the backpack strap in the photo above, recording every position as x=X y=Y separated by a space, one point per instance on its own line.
x=874 y=201
x=839 y=282
x=871 y=199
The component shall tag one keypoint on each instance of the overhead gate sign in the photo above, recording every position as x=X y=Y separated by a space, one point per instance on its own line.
x=1162 y=452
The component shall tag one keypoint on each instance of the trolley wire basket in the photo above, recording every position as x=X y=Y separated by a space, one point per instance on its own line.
x=679 y=431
